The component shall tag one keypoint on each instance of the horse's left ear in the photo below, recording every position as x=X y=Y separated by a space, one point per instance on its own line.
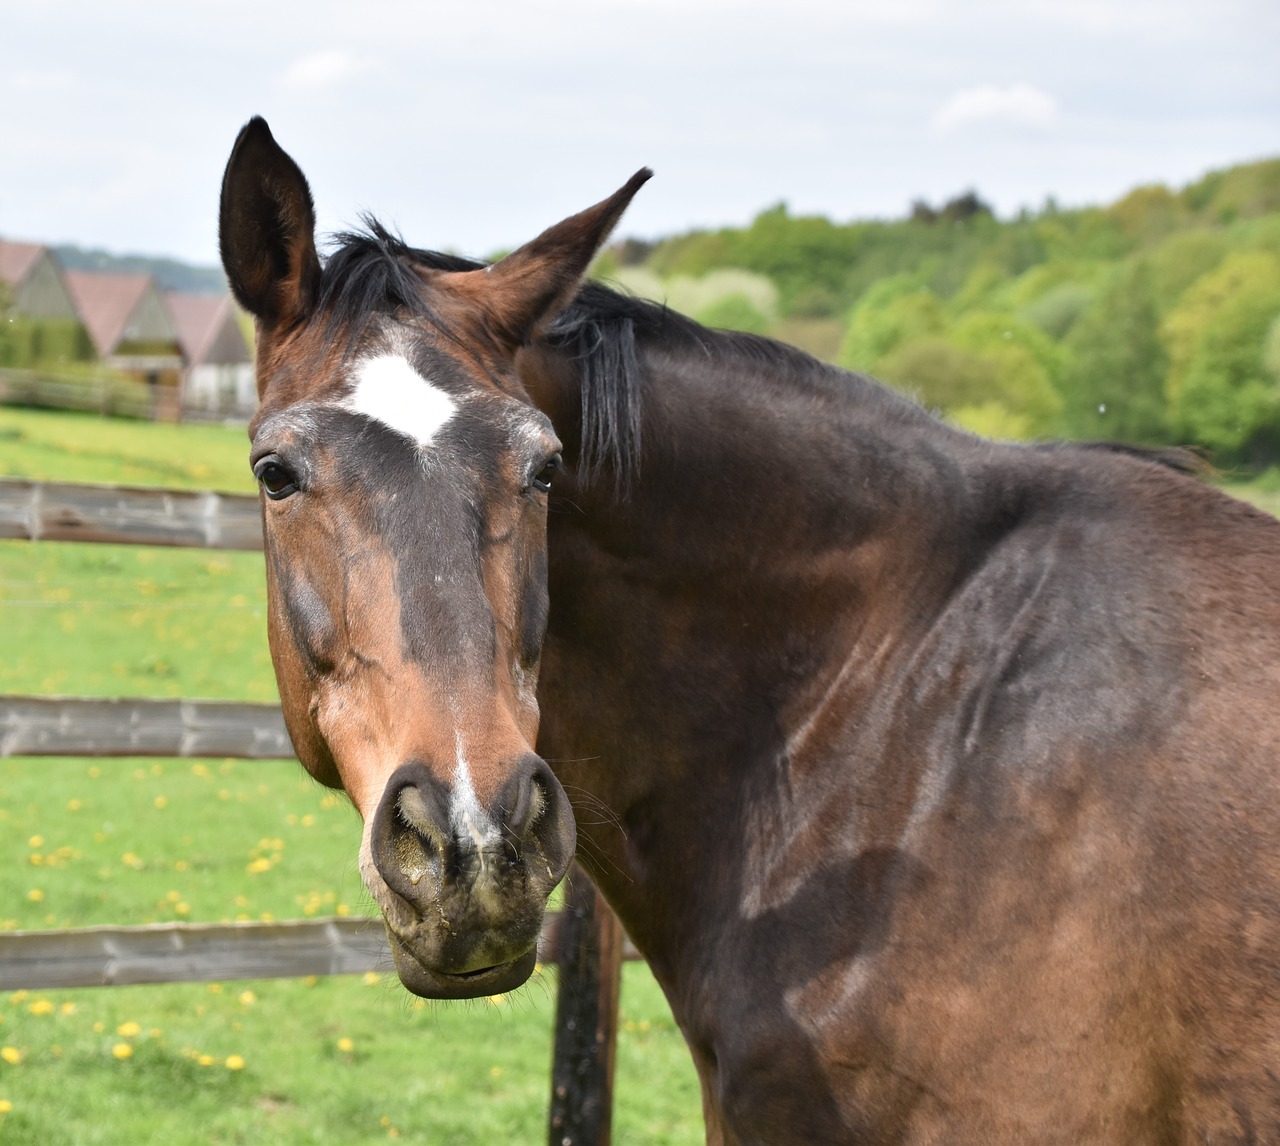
x=527 y=289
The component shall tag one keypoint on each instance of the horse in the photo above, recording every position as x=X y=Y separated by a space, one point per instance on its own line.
x=934 y=777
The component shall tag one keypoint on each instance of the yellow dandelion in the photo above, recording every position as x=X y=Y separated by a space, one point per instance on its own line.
x=98 y=1028
x=235 y=1062
x=495 y=1000
x=182 y=908
x=372 y=978
x=36 y=842
x=130 y=1030
x=181 y=865
x=35 y=895
x=345 y=1045
x=161 y=801
x=495 y=1072
x=74 y=805
x=248 y=998
x=122 y=1051
x=36 y=860
x=215 y=988
x=311 y=980
x=205 y=1060
x=41 y=1007
x=172 y=896
x=95 y=772
x=258 y=866
x=11 y=1055
x=67 y=1009
x=385 y=1120
x=342 y=909
x=6 y=1107
x=308 y=820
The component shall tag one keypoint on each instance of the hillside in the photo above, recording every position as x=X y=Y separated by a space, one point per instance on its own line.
x=170 y=274
x=1153 y=319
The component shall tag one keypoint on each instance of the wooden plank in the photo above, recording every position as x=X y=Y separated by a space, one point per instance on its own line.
x=200 y=952
x=190 y=953
x=591 y=953
x=56 y=511
x=78 y=726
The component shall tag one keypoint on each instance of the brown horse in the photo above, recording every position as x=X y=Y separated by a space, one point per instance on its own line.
x=935 y=778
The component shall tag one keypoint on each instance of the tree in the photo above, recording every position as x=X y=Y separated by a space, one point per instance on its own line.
x=1113 y=383
x=1220 y=392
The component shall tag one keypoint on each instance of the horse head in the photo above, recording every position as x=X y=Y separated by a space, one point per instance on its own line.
x=404 y=478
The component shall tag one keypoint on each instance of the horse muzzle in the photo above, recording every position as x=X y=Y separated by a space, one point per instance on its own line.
x=463 y=887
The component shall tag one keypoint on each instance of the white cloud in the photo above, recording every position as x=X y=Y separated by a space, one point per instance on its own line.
x=320 y=70
x=1018 y=104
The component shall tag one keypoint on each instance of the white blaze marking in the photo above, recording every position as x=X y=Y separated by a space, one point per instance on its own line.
x=389 y=390
x=466 y=817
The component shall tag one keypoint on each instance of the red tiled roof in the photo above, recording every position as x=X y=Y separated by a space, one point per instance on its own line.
x=105 y=303
x=17 y=259
x=199 y=318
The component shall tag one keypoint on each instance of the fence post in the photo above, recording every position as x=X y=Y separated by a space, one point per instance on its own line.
x=586 y=1017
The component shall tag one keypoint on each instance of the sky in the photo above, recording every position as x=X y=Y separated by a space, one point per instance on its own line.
x=473 y=126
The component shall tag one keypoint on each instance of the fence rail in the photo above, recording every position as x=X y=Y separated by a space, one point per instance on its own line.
x=210 y=952
x=85 y=726
x=63 y=511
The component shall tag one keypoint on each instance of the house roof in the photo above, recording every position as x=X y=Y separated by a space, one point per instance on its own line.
x=106 y=302
x=201 y=319
x=17 y=259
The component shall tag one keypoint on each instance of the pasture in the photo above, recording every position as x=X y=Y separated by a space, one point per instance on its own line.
x=127 y=841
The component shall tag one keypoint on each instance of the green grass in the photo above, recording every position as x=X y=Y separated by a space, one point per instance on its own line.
x=129 y=841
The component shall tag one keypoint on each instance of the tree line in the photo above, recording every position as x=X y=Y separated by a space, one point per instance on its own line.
x=1152 y=320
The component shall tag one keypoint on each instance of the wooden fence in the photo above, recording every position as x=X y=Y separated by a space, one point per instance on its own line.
x=584 y=939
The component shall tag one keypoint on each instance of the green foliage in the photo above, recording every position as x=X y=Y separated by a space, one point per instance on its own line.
x=1242 y=192
x=1228 y=398
x=1113 y=384
x=1219 y=391
x=734 y=312
x=801 y=255
x=1057 y=310
x=895 y=310
x=1123 y=321
x=32 y=342
x=1148 y=214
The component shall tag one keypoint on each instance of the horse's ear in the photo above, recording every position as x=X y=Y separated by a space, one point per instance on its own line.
x=266 y=229
x=527 y=289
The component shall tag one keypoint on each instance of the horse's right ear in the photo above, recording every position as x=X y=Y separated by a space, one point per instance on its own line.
x=266 y=230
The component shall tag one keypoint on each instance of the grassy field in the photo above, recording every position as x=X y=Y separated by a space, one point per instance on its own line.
x=335 y=1060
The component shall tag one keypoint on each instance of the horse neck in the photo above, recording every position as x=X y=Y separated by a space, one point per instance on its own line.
x=775 y=524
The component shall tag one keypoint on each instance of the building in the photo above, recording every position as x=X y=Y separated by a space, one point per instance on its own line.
x=34 y=280
x=218 y=378
x=133 y=332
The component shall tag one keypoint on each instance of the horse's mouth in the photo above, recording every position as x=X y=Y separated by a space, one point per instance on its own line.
x=434 y=984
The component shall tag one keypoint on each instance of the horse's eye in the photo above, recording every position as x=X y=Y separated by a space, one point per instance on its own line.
x=276 y=481
x=542 y=479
